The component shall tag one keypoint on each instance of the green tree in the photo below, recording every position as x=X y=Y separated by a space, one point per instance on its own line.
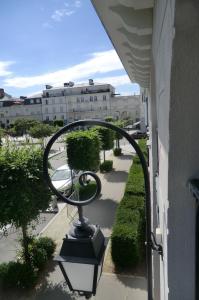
x=106 y=137
x=59 y=123
x=109 y=119
x=2 y=133
x=40 y=131
x=23 y=191
x=118 y=136
x=22 y=125
x=83 y=150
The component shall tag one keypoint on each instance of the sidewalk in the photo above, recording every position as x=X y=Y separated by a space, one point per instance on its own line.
x=102 y=212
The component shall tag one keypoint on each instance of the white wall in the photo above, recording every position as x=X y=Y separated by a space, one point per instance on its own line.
x=184 y=154
x=162 y=59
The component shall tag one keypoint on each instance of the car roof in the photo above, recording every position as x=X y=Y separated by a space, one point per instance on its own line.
x=64 y=167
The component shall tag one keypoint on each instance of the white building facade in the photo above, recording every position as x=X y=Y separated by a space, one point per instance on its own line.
x=71 y=103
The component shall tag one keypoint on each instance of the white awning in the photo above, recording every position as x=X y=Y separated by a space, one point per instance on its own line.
x=129 y=26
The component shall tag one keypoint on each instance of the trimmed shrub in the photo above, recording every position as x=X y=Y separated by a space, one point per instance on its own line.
x=17 y=275
x=87 y=191
x=59 y=123
x=125 y=250
x=117 y=151
x=106 y=166
x=38 y=256
x=128 y=236
x=83 y=150
x=47 y=244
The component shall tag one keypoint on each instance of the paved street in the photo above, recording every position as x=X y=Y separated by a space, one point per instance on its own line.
x=10 y=244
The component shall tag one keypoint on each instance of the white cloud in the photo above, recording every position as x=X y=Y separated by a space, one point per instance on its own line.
x=4 y=65
x=47 y=25
x=99 y=63
x=77 y=3
x=59 y=14
x=114 y=80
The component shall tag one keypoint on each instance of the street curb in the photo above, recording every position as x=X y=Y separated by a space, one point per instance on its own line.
x=52 y=220
x=54 y=154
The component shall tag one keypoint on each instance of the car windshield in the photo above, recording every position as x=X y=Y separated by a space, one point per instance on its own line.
x=61 y=175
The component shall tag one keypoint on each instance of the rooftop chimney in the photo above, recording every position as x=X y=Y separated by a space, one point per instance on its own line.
x=91 y=82
x=2 y=93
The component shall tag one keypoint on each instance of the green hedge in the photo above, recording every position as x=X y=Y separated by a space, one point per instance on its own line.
x=106 y=166
x=117 y=151
x=128 y=236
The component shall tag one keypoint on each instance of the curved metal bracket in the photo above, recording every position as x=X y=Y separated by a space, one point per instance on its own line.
x=155 y=246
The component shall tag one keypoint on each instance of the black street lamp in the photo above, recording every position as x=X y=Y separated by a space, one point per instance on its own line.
x=82 y=251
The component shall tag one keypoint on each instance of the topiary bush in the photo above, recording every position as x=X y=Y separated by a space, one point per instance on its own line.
x=106 y=166
x=38 y=256
x=59 y=123
x=17 y=275
x=83 y=150
x=117 y=151
x=47 y=244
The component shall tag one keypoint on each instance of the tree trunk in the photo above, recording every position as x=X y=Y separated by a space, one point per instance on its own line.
x=118 y=143
x=25 y=244
x=104 y=156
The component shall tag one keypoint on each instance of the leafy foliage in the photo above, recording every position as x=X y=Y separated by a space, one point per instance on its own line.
x=59 y=123
x=106 y=137
x=129 y=228
x=106 y=166
x=118 y=136
x=109 y=119
x=83 y=148
x=45 y=243
x=2 y=133
x=40 y=131
x=117 y=151
x=21 y=126
x=17 y=275
x=23 y=191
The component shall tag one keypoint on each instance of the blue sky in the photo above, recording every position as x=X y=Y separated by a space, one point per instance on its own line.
x=55 y=41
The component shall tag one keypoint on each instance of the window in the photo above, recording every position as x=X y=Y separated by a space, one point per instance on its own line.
x=53 y=101
x=54 y=109
x=95 y=98
x=46 y=110
x=62 y=117
x=91 y=98
x=31 y=101
x=78 y=100
x=104 y=107
x=104 y=97
x=47 y=118
x=82 y=99
x=61 y=109
x=38 y=100
x=46 y=101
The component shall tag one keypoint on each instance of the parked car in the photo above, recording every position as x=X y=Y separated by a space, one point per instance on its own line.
x=139 y=135
x=63 y=178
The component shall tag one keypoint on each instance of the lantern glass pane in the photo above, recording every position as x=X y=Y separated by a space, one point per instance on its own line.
x=99 y=272
x=80 y=275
